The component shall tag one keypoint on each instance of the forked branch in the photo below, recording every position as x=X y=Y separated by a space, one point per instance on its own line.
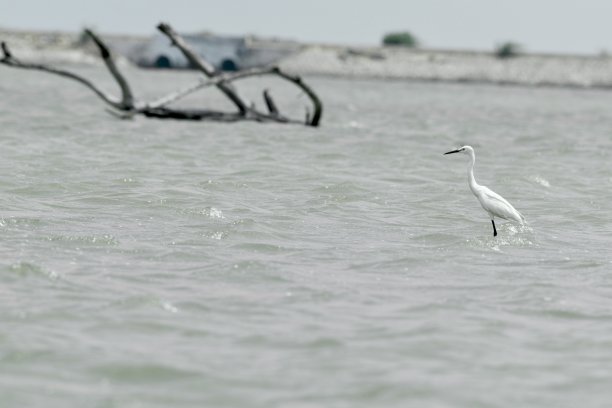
x=127 y=99
x=204 y=66
x=159 y=108
x=9 y=60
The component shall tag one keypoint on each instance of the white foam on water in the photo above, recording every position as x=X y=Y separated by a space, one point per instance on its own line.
x=214 y=213
x=169 y=307
x=541 y=181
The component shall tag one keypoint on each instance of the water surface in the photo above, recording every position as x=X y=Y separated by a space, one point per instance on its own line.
x=148 y=263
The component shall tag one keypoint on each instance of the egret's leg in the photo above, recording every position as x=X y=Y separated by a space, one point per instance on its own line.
x=494 y=229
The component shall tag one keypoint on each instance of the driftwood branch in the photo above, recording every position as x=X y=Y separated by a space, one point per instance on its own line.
x=226 y=78
x=11 y=61
x=203 y=66
x=316 y=102
x=270 y=103
x=127 y=99
x=159 y=108
x=6 y=52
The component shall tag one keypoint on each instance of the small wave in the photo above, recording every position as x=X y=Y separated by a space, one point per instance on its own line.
x=21 y=222
x=169 y=307
x=215 y=213
x=355 y=125
x=508 y=235
x=106 y=239
x=260 y=247
x=25 y=269
x=436 y=239
x=145 y=373
x=209 y=212
x=218 y=235
x=343 y=192
x=541 y=181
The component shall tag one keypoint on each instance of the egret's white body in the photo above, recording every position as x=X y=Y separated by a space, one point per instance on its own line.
x=494 y=204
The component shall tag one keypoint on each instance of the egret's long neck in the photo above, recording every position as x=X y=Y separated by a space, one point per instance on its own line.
x=471 y=180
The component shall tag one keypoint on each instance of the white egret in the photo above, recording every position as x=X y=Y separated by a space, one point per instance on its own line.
x=494 y=204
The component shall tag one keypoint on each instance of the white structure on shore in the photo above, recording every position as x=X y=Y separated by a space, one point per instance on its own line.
x=225 y=53
x=222 y=52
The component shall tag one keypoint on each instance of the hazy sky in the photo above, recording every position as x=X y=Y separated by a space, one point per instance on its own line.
x=583 y=26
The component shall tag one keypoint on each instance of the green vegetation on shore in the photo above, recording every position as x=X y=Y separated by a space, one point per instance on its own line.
x=402 y=39
x=507 y=50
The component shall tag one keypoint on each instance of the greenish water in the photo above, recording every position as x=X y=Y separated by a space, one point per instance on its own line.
x=151 y=263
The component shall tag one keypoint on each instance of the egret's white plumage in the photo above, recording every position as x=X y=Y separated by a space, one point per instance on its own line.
x=494 y=204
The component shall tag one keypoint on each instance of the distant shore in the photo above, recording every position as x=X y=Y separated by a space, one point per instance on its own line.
x=454 y=66
x=359 y=62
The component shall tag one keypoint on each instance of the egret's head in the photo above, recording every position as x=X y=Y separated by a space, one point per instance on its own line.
x=462 y=149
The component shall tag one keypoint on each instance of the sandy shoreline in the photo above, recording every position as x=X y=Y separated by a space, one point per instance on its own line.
x=455 y=66
x=360 y=62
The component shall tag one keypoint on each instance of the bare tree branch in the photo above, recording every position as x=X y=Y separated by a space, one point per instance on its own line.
x=203 y=66
x=202 y=83
x=6 y=53
x=11 y=61
x=316 y=102
x=175 y=96
x=221 y=78
x=270 y=103
x=159 y=108
x=127 y=99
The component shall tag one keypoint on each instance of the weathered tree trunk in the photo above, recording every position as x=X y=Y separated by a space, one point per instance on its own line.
x=159 y=108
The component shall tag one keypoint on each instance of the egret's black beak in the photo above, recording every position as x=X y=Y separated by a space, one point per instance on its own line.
x=453 y=151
